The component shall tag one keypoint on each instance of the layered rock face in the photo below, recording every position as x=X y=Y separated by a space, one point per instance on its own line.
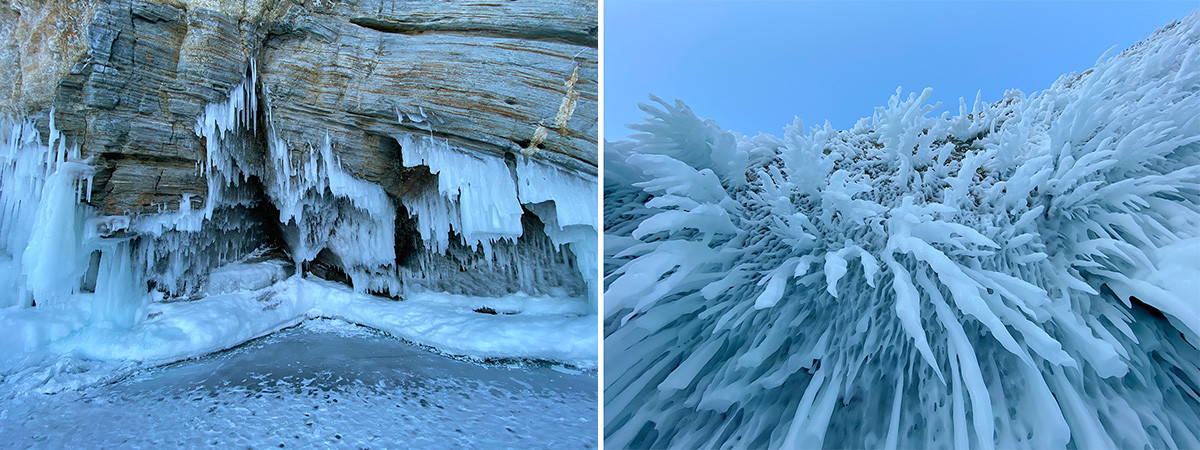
x=510 y=84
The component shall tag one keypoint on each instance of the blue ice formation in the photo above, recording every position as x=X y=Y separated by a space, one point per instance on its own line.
x=1021 y=275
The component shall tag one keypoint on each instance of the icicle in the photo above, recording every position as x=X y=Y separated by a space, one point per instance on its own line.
x=478 y=195
x=119 y=288
x=43 y=221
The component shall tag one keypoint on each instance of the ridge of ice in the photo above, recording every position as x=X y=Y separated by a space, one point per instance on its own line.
x=1035 y=289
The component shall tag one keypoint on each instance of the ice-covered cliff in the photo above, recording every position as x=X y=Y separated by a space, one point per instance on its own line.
x=168 y=164
x=1021 y=274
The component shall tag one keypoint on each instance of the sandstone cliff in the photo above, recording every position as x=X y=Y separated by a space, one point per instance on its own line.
x=129 y=78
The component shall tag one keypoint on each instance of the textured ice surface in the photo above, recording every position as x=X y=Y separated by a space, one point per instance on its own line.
x=1012 y=276
x=324 y=383
x=328 y=383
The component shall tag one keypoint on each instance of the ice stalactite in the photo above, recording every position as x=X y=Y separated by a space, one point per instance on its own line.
x=1009 y=277
x=120 y=291
x=532 y=264
x=481 y=200
x=353 y=218
x=180 y=244
x=320 y=205
x=50 y=234
x=477 y=204
x=567 y=204
x=177 y=260
x=475 y=196
x=42 y=220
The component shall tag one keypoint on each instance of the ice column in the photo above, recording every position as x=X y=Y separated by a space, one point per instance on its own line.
x=119 y=292
x=42 y=222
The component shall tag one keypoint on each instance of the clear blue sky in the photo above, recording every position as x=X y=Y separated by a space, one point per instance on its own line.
x=753 y=66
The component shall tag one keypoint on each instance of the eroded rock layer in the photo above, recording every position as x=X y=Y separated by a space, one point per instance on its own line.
x=325 y=93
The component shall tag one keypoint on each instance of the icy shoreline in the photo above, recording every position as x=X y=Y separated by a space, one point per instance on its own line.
x=524 y=327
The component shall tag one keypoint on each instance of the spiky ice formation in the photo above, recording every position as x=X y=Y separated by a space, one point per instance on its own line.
x=1019 y=275
x=481 y=199
x=40 y=224
x=474 y=215
x=320 y=205
x=51 y=253
x=512 y=216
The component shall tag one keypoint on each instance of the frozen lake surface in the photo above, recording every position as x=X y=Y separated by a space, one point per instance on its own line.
x=321 y=383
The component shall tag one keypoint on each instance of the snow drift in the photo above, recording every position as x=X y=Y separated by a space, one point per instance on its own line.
x=1021 y=274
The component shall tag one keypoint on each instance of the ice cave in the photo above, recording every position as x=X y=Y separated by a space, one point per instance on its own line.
x=1021 y=274
x=248 y=211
